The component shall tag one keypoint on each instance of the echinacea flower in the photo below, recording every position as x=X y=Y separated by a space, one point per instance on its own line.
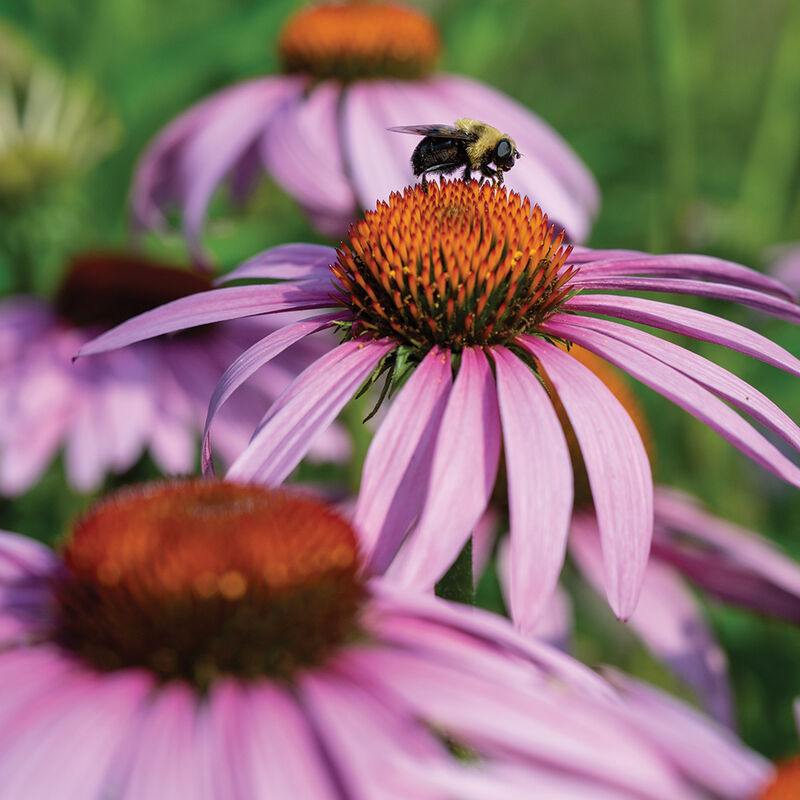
x=105 y=413
x=352 y=70
x=466 y=291
x=207 y=639
x=690 y=544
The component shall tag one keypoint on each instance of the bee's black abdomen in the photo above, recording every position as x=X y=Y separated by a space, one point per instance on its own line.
x=436 y=154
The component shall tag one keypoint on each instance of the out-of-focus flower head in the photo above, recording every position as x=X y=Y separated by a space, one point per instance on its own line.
x=463 y=297
x=353 y=69
x=51 y=127
x=106 y=413
x=207 y=639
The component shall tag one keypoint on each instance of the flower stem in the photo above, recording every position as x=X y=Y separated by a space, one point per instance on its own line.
x=669 y=68
x=771 y=166
x=457 y=583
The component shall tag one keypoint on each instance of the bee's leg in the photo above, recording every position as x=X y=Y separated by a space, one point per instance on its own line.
x=424 y=183
x=494 y=175
x=468 y=173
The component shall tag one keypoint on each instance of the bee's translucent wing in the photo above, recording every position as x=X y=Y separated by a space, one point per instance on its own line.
x=440 y=131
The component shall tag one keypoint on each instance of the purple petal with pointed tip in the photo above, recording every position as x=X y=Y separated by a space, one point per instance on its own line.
x=305 y=409
x=249 y=362
x=684 y=392
x=668 y=620
x=462 y=475
x=539 y=487
x=688 y=322
x=617 y=466
x=214 y=305
x=396 y=471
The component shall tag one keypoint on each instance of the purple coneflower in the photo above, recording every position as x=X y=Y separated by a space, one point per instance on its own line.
x=352 y=70
x=466 y=291
x=105 y=413
x=216 y=640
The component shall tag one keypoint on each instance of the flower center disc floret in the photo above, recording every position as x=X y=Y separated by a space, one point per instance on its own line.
x=357 y=40
x=457 y=265
x=199 y=579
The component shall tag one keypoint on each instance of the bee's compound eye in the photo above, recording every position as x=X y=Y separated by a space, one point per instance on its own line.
x=503 y=149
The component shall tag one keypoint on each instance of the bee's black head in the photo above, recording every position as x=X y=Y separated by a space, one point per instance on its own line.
x=505 y=154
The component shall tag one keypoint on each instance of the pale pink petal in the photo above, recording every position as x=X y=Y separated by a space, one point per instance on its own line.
x=305 y=409
x=240 y=117
x=539 y=487
x=556 y=622
x=600 y=263
x=249 y=362
x=20 y=555
x=617 y=466
x=303 y=151
x=704 y=750
x=69 y=737
x=688 y=322
x=668 y=620
x=483 y=538
x=286 y=262
x=768 y=303
x=85 y=454
x=492 y=630
x=708 y=374
x=214 y=305
x=462 y=475
x=165 y=755
x=682 y=391
x=367 y=741
x=396 y=471
x=550 y=729
x=279 y=746
x=380 y=160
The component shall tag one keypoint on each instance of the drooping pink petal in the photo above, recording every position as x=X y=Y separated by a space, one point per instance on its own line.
x=489 y=628
x=214 y=305
x=279 y=753
x=368 y=741
x=617 y=466
x=240 y=118
x=668 y=620
x=683 y=391
x=539 y=487
x=285 y=262
x=397 y=467
x=557 y=731
x=688 y=322
x=616 y=263
x=305 y=409
x=38 y=760
x=707 y=752
x=164 y=758
x=762 y=301
x=713 y=377
x=735 y=564
x=302 y=150
x=556 y=622
x=247 y=363
x=462 y=475
x=20 y=555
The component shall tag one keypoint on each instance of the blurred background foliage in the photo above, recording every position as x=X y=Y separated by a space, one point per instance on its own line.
x=689 y=116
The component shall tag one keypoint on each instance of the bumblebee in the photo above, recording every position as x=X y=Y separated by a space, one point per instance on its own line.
x=468 y=143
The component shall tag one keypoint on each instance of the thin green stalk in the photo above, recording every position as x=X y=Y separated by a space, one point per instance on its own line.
x=770 y=169
x=457 y=583
x=670 y=76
